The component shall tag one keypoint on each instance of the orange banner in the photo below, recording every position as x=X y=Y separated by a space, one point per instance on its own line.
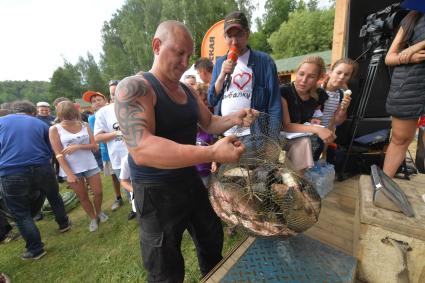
x=213 y=44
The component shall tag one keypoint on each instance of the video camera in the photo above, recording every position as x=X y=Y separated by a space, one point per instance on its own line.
x=380 y=27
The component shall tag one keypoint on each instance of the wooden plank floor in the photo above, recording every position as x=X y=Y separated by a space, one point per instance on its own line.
x=335 y=226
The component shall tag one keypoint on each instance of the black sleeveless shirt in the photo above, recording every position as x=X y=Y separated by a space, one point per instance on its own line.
x=406 y=97
x=173 y=121
x=301 y=111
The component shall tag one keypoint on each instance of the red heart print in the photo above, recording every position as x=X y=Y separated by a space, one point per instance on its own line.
x=241 y=80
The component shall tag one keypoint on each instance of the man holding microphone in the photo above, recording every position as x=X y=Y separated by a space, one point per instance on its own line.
x=244 y=78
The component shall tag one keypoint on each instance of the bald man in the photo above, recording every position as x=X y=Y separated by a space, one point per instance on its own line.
x=158 y=117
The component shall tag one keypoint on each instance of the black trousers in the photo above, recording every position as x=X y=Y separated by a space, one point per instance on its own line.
x=4 y=226
x=164 y=211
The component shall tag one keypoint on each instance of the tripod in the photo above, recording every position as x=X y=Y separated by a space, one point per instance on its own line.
x=375 y=62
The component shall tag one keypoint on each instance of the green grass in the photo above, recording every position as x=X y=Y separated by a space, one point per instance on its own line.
x=111 y=254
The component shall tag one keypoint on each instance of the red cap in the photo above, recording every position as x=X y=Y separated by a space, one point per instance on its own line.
x=89 y=94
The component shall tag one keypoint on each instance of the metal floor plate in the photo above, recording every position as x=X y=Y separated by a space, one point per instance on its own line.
x=297 y=260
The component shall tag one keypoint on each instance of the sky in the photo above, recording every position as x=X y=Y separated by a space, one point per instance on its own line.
x=37 y=35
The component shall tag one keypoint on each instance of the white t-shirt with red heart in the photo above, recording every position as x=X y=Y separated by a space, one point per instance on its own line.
x=239 y=94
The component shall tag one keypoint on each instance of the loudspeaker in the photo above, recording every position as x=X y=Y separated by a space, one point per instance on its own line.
x=366 y=126
x=358 y=162
x=375 y=107
x=359 y=10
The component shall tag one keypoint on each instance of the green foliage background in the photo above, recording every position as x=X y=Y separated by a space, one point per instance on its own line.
x=287 y=28
x=287 y=42
x=111 y=254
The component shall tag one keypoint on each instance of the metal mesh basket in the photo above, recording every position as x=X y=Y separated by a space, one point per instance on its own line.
x=260 y=195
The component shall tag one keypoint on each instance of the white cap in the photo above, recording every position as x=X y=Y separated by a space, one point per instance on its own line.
x=42 y=103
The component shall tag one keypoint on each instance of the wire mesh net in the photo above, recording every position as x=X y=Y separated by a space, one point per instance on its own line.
x=261 y=195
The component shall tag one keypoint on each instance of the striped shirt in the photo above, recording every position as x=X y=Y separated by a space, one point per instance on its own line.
x=330 y=106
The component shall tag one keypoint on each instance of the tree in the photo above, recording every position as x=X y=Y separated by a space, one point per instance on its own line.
x=127 y=36
x=66 y=81
x=33 y=91
x=258 y=41
x=119 y=58
x=316 y=28
x=312 y=5
x=91 y=76
x=301 y=6
x=276 y=12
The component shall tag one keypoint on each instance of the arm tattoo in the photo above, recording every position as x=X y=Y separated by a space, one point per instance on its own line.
x=128 y=109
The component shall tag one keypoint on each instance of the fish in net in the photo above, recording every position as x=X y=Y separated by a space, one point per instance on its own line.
x=261 y=195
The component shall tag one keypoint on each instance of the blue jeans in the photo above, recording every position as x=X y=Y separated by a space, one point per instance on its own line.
x=21 y=193
x=88 y=173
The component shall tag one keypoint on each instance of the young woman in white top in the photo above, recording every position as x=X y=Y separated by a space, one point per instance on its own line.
x=73 y=142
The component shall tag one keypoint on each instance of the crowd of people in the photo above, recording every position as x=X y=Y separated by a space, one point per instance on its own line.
x=163 y=134
x=39 y=149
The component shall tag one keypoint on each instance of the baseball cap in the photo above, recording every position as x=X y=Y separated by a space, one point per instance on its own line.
x=235 y=19
x=43 y=104
x=89 y=94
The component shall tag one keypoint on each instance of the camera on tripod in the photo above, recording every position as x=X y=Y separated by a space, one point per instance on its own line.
x=377 y=32
x=380 y=27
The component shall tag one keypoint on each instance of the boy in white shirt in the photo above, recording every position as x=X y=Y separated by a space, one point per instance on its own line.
x=106 y=130
x=125 y=179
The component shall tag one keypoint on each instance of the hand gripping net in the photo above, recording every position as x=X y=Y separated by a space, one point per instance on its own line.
x=261 y=195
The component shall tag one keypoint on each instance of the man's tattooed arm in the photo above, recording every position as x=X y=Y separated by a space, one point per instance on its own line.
x=130 y=109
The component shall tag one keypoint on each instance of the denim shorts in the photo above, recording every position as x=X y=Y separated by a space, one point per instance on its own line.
x=117 y=172
x=88 y=173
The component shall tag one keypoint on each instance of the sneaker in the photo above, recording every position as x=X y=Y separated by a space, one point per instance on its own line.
x=29 y=255
x=116 y=204
x=4 y=278
x=102 y=217
x=93 y=225
x=65 y=227
x=11 y=236
x=131 y=215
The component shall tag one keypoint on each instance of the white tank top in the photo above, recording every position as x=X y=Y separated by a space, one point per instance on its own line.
x=79 y=160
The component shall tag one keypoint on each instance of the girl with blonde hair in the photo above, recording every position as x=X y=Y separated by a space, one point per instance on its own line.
x=73 y=142
x=300 y=100
x=337 y=104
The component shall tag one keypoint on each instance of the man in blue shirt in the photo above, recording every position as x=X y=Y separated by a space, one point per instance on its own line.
x=253 y=80
x=26 y=174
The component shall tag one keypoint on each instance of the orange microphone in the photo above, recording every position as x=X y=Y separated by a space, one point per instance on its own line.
x=232 y=55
